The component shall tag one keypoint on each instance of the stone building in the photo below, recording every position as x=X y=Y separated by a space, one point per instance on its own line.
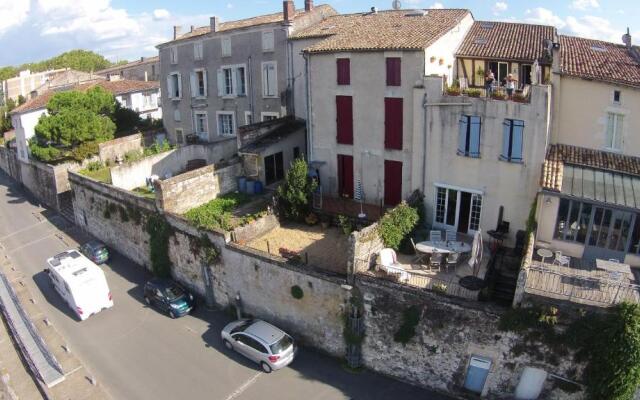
x=144 y=69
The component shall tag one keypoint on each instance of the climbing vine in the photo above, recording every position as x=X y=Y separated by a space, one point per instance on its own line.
x=202 y=245
x=159 y=232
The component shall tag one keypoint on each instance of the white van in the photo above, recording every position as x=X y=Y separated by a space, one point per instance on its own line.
x=80 y=282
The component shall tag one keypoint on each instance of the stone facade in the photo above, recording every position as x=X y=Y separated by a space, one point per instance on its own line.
x=194 y=188
x=365 y=245
x=9 y=163
x=260 y=227
x=109 y=151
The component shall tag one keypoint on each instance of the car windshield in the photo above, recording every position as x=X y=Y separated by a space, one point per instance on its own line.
x=173 y=292
x=242 y=326
x=281 y=345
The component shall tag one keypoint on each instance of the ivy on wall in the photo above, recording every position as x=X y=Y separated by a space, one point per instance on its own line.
x=159 y=232
x=202 y=245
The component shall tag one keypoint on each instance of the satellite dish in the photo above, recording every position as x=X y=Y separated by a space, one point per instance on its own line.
x=396 y=4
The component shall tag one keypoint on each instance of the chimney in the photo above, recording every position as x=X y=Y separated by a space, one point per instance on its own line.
x=289 y=10
x=626 y=39
x=192 y=27
x=141 y=59
x=214 y=23
x=177 y=29
x=308 y=5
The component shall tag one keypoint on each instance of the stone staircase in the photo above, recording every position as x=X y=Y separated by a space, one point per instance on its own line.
x=505 y=277
x=65 y=203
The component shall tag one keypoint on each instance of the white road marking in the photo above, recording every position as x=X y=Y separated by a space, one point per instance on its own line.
x=21 y=230
x=244 y=387
x=13 y=250
x=76 y=369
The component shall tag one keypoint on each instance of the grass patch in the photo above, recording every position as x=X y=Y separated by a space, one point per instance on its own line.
x=102 y=174
x=217 y=214
x=144 y=192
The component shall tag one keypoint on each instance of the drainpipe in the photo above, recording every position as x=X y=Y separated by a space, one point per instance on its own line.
x=426 y=130
x=307 y=70
x=250 y=88
x=291 y=93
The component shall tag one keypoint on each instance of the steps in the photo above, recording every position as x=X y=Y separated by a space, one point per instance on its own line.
x=505 y=278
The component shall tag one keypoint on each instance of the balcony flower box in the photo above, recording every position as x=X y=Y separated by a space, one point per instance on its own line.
x=453 y=91
x=498 y=96
x=473 y=92
x=519 y=98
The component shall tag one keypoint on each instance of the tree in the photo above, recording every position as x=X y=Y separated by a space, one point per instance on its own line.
x=293 y=196
x=75 y=124
x=5 y=118
x=80 y=60
x=126 y=120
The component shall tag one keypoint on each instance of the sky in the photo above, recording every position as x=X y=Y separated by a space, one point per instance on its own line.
x=32 y=30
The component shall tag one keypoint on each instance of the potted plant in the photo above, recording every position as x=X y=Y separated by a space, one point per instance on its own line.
x=453 y=91
x=498 y=95
x=325 y=222
x=473 y=92
x=519 y=98
x=311 y=219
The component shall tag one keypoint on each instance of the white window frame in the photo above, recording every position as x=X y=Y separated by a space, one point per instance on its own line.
x=198 y=51
x=170 y=88
x=235 y=83
x=225 y=46
x=268 y=114
x=268 y=41
x=248 y=118
x=475 y=194
x=173 y=54
x=179 y=135
x=618 y=118
x=204 y=134
x=195 y=83
x=265 y=89
x=233 y=123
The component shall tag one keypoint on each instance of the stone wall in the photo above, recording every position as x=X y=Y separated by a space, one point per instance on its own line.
x=449 y=333
x=109 y=151
x=9 y=163
x=194 y=188
x=365 y=245
x=260 y=227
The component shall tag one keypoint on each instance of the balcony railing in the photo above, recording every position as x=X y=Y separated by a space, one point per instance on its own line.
x=498 y=93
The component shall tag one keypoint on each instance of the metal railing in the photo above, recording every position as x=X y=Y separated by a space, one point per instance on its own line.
x=543 y=281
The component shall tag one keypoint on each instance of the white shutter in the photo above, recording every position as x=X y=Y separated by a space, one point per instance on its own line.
x=265 y=79
x=194 y=84
x=204 y=78
x=220 y=83
x=179 y=85
x=170 y=90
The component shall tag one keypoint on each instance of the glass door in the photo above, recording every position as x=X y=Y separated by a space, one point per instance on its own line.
x=457 y=210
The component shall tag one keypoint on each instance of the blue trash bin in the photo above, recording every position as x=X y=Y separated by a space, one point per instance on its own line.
x=242 y=184
x=251 y=187
x=257 y=187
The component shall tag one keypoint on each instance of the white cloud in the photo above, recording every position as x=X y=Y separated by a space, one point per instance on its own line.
x=593 y=28
x=543 y=16
x=14 y=13
x=412 y=2
x=161 y=14
x=229 y=5
x=585 y=4
x=437 y=5
x=500 y=7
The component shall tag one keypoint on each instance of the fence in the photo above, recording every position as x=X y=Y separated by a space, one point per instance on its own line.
x=588 y=290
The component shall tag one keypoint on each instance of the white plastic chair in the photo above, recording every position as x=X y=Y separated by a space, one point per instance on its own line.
x=451 y=236
x=435 y=236
x=561 y=260
x=389 y=264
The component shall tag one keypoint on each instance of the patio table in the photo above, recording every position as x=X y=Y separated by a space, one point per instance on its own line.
x=611 y=266
x=443 y=247
x=544 y=253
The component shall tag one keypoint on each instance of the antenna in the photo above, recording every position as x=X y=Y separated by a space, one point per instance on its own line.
x=396 y=5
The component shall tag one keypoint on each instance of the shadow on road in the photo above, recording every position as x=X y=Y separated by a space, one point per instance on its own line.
x=43 y=282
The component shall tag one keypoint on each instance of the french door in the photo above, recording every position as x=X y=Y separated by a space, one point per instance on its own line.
x=457 y=209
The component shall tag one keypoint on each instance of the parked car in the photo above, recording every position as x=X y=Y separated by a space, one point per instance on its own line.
x=80 y=282
x=169 y=297
x=260 y=342
x=95 y=251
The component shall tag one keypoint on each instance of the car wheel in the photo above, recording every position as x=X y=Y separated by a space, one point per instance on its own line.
x=227 y=344
x=172 y=315
x=266 y=367
x=147 y=300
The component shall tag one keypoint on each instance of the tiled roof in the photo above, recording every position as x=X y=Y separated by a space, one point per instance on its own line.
x=250 y=22
x=506 y=41
x=595 y=59
x=560 y=154
x=146 y=60
x=384 y=30
x=115 y=87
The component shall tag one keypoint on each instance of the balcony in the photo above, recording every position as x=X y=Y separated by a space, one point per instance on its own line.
x=497 y=93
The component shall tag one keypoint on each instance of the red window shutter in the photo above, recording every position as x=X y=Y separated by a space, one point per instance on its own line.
x=344 y=71
x=344 y=119
x=393 y=71
x=392 y=182
x=393 y=119
x=345 y=175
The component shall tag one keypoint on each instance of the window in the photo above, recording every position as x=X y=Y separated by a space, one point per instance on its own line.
x=269 y=79
x=269 y=116
x=197 y=51
x=392 y=182
x=248 y=118
x=199 y=83
x=173 y=55
x=232 y=80
x=274 y=168
x=614 y=131
x=268 y=41
x=123 y=102
x=226 y=46
x=512 y=140
x=179 y=136
x=226 y=125
x=241 y=82
x=228 y=81
x=616 y=96
x=469 y=136
x=393 y=71
x=393 y=123
x=476 y=210
x=458 y=208
x=296 y=152
x=148 y=100
x=345 y=176
x=344 y=71
x=174 y=85
x=176 y=115
x=477 y=373
x=201 y=124
x=344 y=119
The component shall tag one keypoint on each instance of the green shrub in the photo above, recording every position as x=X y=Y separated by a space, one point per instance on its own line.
x=159 y=232
x=132 y=156
x=473 y=92
x=124 y=217
x=296 y=292
x=156 y=148
x=345 y=224
x=410 y=320
x=216 y=214
x=294 y=194
x=396 y=224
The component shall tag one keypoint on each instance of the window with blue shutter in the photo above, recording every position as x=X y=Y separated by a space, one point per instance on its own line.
x=512 y=140
x=469 y=136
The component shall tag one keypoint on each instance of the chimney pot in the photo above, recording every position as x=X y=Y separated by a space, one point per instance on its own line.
x=141 y=59
x=192 y=27
x=626 y=39
x=289 y=10
x=214 y=23
x=177 y=29
x=308 y=5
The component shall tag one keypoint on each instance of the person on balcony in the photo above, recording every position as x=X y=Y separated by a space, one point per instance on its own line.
x=511 y=85
x=489 y=78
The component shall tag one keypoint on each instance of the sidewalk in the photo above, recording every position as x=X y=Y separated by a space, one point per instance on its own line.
x=19 y=381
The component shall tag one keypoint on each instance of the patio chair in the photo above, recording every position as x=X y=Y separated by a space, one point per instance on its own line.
x=389 y=264
x=614 y=260
x=420 y=257
x=561 y=260
x=452 y=260
x=435 y=236
x=451 y=235
x=436 y=260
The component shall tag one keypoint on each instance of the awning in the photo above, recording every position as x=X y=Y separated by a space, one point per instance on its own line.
x=601 y=185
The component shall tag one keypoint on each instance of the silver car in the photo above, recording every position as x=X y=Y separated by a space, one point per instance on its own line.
x=260 y=342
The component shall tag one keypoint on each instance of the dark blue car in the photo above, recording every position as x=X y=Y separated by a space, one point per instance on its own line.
x=168 y=297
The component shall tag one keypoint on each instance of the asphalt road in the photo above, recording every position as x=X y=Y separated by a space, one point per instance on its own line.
x=137 y=353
